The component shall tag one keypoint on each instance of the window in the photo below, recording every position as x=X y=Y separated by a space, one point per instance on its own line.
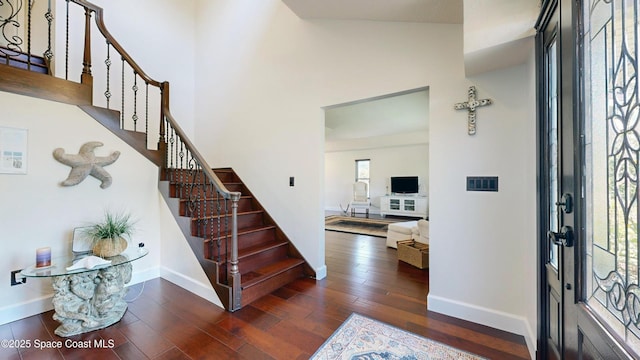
x=362 y=172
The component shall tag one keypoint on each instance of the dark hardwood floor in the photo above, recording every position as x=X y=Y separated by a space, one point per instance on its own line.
x=364 y=276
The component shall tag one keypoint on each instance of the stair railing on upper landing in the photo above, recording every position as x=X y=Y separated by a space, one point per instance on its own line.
x=119 y=81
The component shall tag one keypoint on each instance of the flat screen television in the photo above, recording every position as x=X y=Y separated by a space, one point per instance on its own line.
x=404 y=184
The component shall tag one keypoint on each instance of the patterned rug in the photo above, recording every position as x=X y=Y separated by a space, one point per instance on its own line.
x=355 y=225
x=360 y=337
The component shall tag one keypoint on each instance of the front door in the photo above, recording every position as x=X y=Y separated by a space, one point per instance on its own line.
x=557 y=216
x=589 y=128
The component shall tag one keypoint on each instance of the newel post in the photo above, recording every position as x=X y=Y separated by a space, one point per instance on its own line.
x=164 y=104
x=86 y=77
x=164 y=90
x=234 y=273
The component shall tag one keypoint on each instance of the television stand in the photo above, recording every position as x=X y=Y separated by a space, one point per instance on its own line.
x=413 y=205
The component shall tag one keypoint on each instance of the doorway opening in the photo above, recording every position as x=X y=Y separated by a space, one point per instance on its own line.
x=391 y=131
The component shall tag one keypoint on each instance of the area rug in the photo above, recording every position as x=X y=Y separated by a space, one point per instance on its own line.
x=360 y=337
x=355 y=225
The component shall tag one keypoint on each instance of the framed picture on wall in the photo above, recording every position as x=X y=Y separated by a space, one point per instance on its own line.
x=13 y=150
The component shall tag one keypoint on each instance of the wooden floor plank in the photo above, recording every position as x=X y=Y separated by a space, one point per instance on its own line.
x=166 y=322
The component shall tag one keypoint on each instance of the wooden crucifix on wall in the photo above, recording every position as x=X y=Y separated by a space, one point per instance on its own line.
x=471 y=104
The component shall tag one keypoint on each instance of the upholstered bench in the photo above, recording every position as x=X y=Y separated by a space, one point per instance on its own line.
x=400 y=231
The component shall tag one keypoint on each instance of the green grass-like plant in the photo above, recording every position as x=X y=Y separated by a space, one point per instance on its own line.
x=114 y=225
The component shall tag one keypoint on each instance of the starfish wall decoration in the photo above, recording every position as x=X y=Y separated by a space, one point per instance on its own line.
x=86 y=163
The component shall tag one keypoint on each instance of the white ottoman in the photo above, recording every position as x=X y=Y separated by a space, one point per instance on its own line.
x=400 y=231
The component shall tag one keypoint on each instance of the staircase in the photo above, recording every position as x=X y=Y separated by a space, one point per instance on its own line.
x=266 y=258
x=241 y=249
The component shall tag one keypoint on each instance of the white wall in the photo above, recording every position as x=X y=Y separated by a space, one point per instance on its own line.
x=530 y=255
x=160 y=37
x=264 y=76
x=484 y=270
x=385 y=162
x=56 y=210
x=36 y=211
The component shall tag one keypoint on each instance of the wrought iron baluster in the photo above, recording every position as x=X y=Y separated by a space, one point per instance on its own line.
x=203 y=199
x=182 y=177
x=29 y=8
x=171 y=141
x=122 y=87
x=164 y=124
x=201 y=215
x=134 y=117
x=48 y=54
x=219 y=241
x=66 y=44
x=181 y=154
x=14 y=42
x=146 y=114
x=107 y=62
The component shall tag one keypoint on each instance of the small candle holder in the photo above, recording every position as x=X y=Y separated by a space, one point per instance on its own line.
x=43 y=257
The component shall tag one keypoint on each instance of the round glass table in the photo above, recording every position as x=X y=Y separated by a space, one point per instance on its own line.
x=88 y=299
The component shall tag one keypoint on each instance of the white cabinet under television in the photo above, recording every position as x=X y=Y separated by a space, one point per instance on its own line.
x=404 y=205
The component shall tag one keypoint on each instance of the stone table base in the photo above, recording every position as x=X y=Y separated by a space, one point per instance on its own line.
x=90 y=300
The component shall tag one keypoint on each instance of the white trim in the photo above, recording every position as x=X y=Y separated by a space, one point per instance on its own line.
x=25 y=309
x=484 y=316
x=321 y=272
x=142 y=276
x=203 y=290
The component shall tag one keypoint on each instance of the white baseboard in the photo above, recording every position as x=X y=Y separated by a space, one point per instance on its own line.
x=203 y=290
x=321 y=272
x=496 y=319
x=25 y=309
x=142 y=276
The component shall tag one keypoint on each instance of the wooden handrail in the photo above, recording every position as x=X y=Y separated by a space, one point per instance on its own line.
x=164 y=87
x=107 y=35
x=231 y=195
x=234 y=273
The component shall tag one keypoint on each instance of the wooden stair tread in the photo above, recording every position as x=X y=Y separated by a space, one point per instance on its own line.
x=257 y=276
x=227 y=215
x=266 y=257
x=209 y=198
x=223 y=170
x=252 y=229
x=252 y=250
x=21 y=60
x=246 y=231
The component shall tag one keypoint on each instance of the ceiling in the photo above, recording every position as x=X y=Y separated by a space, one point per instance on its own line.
x=389 y=115
x=497 y=34
x=431 y=11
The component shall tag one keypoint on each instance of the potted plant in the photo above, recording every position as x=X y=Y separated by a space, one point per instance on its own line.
x=109 y=235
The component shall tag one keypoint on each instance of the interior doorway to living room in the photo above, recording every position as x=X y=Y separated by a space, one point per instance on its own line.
x=384 y=143
x=392 y=132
